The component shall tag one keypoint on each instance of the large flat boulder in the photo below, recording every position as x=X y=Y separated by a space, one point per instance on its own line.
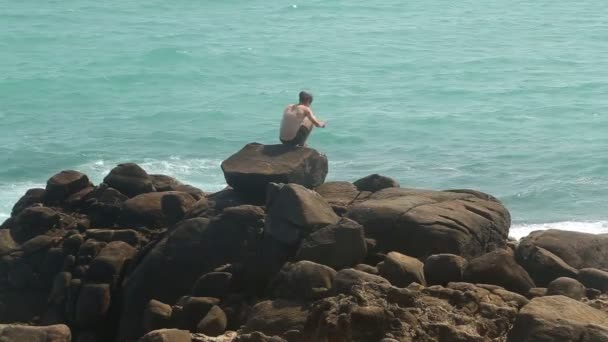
x=559 y=318
x=421 y=223
x=579 y=250
x=23 y=333
x=253 y=167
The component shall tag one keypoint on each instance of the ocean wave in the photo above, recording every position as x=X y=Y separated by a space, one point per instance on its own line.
x=596 y=227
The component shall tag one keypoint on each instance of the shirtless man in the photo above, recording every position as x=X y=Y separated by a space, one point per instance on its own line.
x=298 y=121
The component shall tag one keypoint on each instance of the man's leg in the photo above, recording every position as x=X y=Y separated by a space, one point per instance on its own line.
x=301 y=136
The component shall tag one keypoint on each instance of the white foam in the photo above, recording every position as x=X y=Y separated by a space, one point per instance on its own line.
x=597 y=227
x=10 y=194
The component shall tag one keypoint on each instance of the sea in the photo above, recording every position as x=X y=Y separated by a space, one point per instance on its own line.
x=506 y=97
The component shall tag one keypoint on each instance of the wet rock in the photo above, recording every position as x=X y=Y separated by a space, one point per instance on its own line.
x=130 y=179
x=294 y=212
x=303 y=280
x=499 y=268
x=402 y=270
x=338 y=246
x=566 y=287
x=440 y=269
x=251 y=169
x=375 y=182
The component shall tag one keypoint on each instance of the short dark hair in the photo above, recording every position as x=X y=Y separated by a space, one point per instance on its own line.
x=305 y=97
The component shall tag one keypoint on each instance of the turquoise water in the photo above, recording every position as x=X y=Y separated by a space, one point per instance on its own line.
x=509 y=97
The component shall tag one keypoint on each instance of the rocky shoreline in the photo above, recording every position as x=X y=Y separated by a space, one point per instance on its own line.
x=282 y=255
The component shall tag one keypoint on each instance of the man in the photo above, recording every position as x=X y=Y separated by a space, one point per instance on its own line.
x=298 y=121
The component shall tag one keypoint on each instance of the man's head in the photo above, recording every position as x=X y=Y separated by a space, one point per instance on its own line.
x=305 y=98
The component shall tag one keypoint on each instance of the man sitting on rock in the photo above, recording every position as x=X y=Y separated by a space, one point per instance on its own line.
x=298 y=121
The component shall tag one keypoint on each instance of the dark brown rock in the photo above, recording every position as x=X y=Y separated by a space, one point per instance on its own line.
x=338 y=246
x=340 y=195
x=175 y=206
x=542 y=265
x=255 y=166
x=65 y=183
x=499 y=268
x=93 y=304
x=347 y=278
x=146 y=209
x=130 y=179
x=440 y=269
x=108 y=265
x=156 y=316
x=214 y=323
x=559 y=318
x=193 y=309
x=420 y=223
x=34 y=221
x=566 y=287
x=294 y=212
x=129 y=236
x=402 y=270
x=594 y=278
x=167 y=335
x=104 y=206
x=213 y=284
x=536 y=292
x=31 y=197
x=375 y=182
x=276 y=317
x=303 y=280
x=167 y=183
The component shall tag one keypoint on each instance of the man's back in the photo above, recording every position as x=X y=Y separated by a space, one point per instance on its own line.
x=293 y=117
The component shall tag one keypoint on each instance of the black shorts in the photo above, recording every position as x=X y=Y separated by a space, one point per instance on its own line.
x=300 y=138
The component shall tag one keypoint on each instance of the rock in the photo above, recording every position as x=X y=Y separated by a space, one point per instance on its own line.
x=294 y=212
x=440 y=269
x=566 y=287
x=338 y=246
x=214 y=323
x=340 y=195
x=201 y=208
x=31 y=197
x=157 y=315
x=375 y=182
x=559 y=318
x=146 y=209
x=104 y=206
x=255 y=166
x=24 y=333
x=579 y=250
x=60 y=287
x=367 y=269
x=78 y=199
x=65 y=183
x=108 y=265
x=421 y=223
x=276 y=317
x=347 y=278
x=402 y=270
x=225 y=199
x=594 y=278
x=303 y=280
x=7 y=243
x=129 y=236
x=213 y=284
x=499 y=268
x=542 y=265
x=167 y=335
x=166 y=183
x=536 y=292
x=193 y=309
x=130 y=179
x=93 y=304
x=34 y=221
x=175 y=206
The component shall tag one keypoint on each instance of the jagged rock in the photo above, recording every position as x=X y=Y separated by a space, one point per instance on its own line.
x=542 y=265
x=108 y=265
x=566 y=287
x=594 y=278
x=31 y=197
x=167 y=335
x=62 y=185
x=167 y=183
x=34 y=221
x=214 y=323
x=347 y=278
x=401 y=270
x=129 y=236
x=578 y=250
x=559 y=318
x=93 y=304
x=193 y=247
x=130 y=179
x=193 y=309
x=24 y=333
x=338 y=246
x=146 y=209
x=294 y=212
x=213 y=284
x=157 y=315
x=255 y=166
x=303 y=280
x=440 y=269
x=499 y=268
x=276 y=317
x=375 y=182
x=420 y=223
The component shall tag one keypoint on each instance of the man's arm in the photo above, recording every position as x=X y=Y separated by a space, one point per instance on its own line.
x=311 y=116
